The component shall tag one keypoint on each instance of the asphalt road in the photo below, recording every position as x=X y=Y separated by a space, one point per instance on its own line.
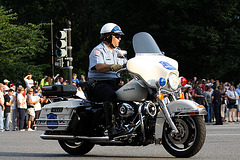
x=222 y=142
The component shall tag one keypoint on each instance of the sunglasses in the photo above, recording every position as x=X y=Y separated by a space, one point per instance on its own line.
x=117 y=36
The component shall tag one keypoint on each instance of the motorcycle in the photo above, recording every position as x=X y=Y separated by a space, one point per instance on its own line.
x=150 y=107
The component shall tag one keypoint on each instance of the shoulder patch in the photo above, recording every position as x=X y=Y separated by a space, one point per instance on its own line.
x=96 y=53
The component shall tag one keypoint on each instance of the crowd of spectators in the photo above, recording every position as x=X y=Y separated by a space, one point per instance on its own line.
x=21 y=105
x=221 y=99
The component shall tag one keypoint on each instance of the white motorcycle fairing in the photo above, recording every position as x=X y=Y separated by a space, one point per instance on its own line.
x=151 y=67
x=149 y=63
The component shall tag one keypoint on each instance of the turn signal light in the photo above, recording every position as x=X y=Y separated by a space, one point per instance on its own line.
x=160 y=96
x=181 y=96
x=201 y=106
x=183 y=81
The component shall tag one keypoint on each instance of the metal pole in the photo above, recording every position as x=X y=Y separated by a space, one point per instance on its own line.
x=69 y=51
x=53 y=61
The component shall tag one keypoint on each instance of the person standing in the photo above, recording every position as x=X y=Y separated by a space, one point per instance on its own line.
x=75 y=79
x=6 y=87
x=238 y=106
x=204 y=82
x=232 y=103
x=188 y=93
x=22 y=107
x=28 y=80
x=30 y=109
x=42 y=82
x=36 y=100
x=14 y=112
x=216 y=100
x=208 y=103
x=82 y=78
x=2 y=107
x=198 y=94
x=223 y=104
x=7 y=113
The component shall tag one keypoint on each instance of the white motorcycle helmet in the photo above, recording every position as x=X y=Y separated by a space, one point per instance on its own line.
x=110 y=29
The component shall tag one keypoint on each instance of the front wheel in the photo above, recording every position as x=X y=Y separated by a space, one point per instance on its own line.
x=189 y=140
x=75 y=147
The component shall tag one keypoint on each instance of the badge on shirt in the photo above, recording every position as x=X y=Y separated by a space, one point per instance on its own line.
x=96 y=53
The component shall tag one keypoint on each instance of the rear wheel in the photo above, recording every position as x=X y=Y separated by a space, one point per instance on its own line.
x=189 y=140
x=76 y=147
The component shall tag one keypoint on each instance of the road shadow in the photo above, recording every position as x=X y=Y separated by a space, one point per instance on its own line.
x=49 y=155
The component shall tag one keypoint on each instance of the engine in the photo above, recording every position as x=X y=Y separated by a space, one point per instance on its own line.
x=130 y=114
x=125 y=110
x=150 y=108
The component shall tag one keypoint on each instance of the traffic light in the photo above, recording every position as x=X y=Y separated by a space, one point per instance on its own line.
x=63 y=58
x=61 y=43
x=59 y=62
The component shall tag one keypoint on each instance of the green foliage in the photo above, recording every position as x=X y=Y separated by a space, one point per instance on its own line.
x=203 y=36
x=20 y=46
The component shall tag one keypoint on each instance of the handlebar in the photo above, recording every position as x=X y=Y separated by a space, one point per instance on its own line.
x=120 y=70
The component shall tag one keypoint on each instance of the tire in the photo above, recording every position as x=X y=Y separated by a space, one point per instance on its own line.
x=74 y=147
x=189 y=141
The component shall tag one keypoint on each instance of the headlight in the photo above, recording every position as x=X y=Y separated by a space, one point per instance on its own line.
x=173 y=81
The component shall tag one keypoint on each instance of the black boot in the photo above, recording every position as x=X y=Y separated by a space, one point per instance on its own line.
x=110 y=121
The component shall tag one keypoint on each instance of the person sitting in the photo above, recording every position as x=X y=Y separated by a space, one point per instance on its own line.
x=102 y=73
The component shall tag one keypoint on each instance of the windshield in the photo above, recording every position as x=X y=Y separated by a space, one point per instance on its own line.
x=143 y=43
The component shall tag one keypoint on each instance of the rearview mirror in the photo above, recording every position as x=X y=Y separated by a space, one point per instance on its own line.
x=121 y=53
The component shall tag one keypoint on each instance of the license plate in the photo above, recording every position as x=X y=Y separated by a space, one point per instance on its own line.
x=56 y=109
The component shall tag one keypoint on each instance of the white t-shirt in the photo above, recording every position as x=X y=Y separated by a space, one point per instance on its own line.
x=80 y=94
x=21 y=104
x=29 y=83
x=2 y=97
x=37 y=106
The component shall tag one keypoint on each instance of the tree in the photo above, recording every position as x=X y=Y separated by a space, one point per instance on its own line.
x=20 y=46
x=203 y=36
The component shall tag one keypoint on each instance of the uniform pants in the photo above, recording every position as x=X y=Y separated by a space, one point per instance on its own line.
x=105 y=92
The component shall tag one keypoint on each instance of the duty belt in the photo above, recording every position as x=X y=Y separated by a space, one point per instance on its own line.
x=93 y=82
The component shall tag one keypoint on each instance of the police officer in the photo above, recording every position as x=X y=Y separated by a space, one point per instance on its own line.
x=103 y=66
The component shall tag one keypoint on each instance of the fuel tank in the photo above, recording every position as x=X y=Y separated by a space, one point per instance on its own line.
x=132 y=91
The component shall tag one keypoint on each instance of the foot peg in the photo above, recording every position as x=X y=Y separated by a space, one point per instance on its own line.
x=112 y=133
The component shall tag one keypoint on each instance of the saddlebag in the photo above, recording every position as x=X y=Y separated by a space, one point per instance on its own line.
x=85 y=120
x=56 y=116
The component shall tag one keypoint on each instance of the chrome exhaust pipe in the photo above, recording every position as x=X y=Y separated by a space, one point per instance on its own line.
x=71 y=137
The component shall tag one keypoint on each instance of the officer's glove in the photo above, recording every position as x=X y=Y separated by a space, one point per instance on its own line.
x=115 y=67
